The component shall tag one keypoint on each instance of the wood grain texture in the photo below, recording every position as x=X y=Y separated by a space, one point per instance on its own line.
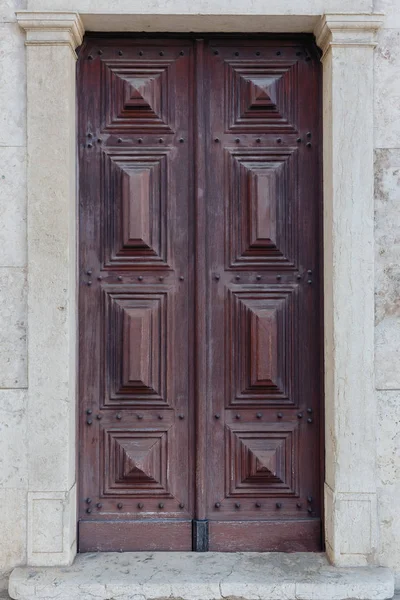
x=200 y=292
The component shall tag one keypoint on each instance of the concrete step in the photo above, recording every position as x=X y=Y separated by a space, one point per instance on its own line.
x=201 y=576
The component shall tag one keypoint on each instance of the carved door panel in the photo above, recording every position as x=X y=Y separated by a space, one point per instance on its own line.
x=136 y=305
x=263 y=345
x=199 y=299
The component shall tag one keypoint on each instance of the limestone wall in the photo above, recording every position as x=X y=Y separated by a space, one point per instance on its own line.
x=13 y=309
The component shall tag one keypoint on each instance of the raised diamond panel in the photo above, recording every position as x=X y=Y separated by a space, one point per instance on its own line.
x=135 y=96
x=261 y=460
x=261 y=96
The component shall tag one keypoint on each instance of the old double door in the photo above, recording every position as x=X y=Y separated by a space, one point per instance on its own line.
x=199 y=295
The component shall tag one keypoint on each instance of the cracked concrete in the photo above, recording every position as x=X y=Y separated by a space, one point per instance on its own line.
x=208 y=576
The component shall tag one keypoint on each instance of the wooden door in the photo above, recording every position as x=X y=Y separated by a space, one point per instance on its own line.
x=199 y=298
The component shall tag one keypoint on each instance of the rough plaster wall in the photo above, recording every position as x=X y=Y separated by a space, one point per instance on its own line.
x=13 y=359
x=387 y=279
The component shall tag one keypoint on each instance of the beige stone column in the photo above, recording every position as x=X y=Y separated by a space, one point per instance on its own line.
x=347 y=43
x=51 y=40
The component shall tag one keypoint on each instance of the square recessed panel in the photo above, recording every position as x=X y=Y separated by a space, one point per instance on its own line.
x=261 y=460
x=261 y=346
x=261 y=96
x=135 y=96
x=261 y=206
x=136 y=348
x=135 y=193
x=136 y=462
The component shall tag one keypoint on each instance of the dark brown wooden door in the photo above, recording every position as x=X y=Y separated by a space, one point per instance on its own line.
x=200 y=321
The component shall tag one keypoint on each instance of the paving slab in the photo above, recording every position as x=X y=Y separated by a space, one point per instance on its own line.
x=201 y=576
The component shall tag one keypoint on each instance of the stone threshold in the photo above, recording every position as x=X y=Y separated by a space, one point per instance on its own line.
x=201 y=576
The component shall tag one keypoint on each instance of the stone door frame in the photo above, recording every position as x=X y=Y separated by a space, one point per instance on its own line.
x=347 y=42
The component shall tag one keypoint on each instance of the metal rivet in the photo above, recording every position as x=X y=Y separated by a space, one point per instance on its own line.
x=140 y=417
x=217 y=277
x=279 y=277
x=181 y=278
x=216 y=140
x=258 y=140
x=120 y=52
x=161 y=53
x=279 y=140
x=309 y=509
x=181 y=53
x=90 y=57
x=308 y=144
x=237 y=416
x=118 y=416
x=99 y=140
x=140 y=52
x=298 y=53
x=161 y=278
x=140 y=141
x=89 y=135
x=120 y=505
x=278 y=505
x=258 y=277
x=181 y=140
x=161 y=505
x=259 y=415
x=237 y=140
x=181 y=505
x=300 y=415
x=160 y=417
x=299 y=505
x=217 y=416
x=88 y=500
x=160 y=141
x=309 y=410
x=99 y=417
x=309 y=281
x=89 y=421
x=278 y=53
x=309 y=272
x=99 y=278
x=90 y=282
x=217 y=504
x=298 y=276
x=279 y=415
x=237 y=504
x=308 y=134
x=258 y=504
x=140 y=505
x=90 y=145
x=309 y=420
x=309 y=499
x=119 y=140
x=89 y=411
x=236 y=53
x=237 y=277
x=181 y=417
x=100 y=52
x=119 y=278
x=89 y=510
x=140 y=278
x=257 y=53
x=99 y=505
x=298 y=140
x=216 y=52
